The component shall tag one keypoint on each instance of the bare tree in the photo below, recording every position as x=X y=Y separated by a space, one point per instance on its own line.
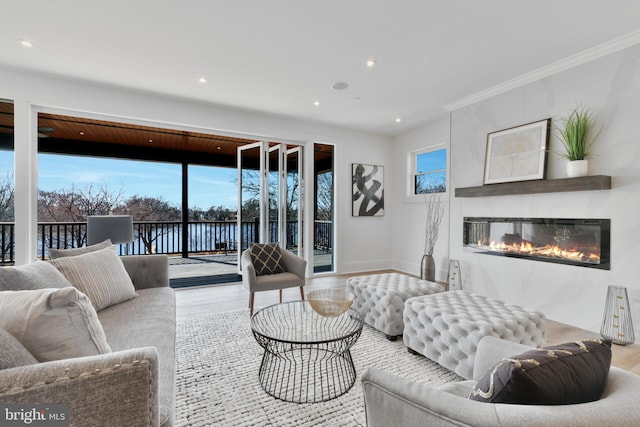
x=251 y=186
x=74 y=205
x=149 y=209
x=153 y=211
x=293 y=195
x=427 y=184
x=7 y=198
x=219 y=213
x=324 y=196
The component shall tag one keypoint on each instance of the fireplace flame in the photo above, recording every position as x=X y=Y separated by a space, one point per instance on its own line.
x=551 y=251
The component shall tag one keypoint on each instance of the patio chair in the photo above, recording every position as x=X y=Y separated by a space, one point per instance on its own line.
x=267 y=267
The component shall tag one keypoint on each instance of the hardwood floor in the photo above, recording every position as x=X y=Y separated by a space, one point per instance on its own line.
x=203 y=300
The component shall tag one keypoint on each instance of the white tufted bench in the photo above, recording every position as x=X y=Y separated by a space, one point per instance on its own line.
x=447 y=327
x=380 y=298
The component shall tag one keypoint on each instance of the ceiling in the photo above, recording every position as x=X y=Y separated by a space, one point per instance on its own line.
x=280 y=56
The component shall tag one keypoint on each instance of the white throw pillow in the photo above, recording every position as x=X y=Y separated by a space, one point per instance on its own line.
x=13 y=352
x=37 y=275
x=53 y=324
x=100 y=275
x=61 y=253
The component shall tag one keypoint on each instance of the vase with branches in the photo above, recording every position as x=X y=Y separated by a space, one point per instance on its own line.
x=434 y=213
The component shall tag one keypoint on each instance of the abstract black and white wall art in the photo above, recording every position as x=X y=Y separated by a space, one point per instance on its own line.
x=368 y=190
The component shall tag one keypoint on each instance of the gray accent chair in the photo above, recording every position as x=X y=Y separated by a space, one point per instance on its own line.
x=394 y=401
x=294 y=276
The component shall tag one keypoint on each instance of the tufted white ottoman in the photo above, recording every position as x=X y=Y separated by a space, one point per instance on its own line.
x=447 y=327
x=380 y=298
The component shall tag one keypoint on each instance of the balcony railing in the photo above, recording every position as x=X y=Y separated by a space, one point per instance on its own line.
x=162 y=237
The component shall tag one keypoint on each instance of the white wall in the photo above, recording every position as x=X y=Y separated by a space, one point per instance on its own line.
x=362 y=243
x=408 y=225
x=574 y=295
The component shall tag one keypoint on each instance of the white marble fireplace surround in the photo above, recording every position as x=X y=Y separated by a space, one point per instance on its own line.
x=575 y=295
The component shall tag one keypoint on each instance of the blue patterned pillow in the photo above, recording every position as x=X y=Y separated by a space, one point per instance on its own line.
x=266 y=258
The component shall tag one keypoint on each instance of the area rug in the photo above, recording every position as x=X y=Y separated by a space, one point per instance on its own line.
x=217 y=377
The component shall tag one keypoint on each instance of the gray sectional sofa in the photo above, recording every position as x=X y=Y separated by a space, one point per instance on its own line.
x=394 y=401
x=134 y=383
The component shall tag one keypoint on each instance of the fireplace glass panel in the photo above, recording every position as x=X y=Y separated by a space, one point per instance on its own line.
x=581 y=242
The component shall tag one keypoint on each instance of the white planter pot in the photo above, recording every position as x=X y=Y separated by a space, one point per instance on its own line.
x=577 y=168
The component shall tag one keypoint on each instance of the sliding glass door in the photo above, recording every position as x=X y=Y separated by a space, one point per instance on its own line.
x=324 y=224
x=269 y=195
x=7 y=186
x=293 y=193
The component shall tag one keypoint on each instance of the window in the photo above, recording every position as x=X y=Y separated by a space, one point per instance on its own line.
x=7 y=186
x=430 y=171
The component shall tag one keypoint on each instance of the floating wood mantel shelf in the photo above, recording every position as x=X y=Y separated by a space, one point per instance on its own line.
x=585 y=183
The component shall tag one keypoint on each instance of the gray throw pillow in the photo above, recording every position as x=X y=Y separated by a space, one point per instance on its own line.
x=266 y=258
x=61 y=253
x=12 y=353
x=53 y=324
x=37 y=275
x=100 y=275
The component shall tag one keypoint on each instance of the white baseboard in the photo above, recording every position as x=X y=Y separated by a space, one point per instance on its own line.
x=365 y=266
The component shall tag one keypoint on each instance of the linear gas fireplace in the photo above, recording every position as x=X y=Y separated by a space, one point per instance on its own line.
x=582 y=242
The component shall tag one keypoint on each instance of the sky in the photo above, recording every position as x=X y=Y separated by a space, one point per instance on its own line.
x=432 y=160
x=208 y=186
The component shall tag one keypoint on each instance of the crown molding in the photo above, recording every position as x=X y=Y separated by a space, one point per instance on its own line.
x=583 y=57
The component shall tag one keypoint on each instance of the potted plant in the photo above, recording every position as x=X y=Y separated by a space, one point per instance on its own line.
x=575 y=133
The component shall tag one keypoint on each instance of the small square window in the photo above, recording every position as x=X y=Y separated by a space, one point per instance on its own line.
x=430 y=171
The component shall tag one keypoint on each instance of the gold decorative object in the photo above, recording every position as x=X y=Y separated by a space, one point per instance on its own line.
x=616 y=322
x=330 y=302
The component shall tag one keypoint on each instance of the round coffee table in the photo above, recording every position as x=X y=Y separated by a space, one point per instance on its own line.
x=306 y=356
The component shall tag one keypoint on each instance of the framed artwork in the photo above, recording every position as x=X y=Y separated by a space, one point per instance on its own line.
x=518 y=153
x=368 y=190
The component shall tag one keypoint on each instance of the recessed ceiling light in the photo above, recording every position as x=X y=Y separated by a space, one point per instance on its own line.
x=81 y=133
x=150 y=141
x=202 y=80
x=371 y=63
x=25 y=43
x=340 y=85
x=398 y=119
x=316 y=103
x=219 y=148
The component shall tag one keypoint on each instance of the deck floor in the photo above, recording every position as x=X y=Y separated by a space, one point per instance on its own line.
x=198 y=270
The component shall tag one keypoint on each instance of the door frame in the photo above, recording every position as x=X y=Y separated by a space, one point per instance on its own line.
x=266 y=148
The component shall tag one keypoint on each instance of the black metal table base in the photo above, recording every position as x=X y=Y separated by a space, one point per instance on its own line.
x=306 y=356
x=308 y=374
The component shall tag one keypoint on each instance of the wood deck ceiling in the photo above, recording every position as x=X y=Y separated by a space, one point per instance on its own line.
x=62 y=134
x=76 y=135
